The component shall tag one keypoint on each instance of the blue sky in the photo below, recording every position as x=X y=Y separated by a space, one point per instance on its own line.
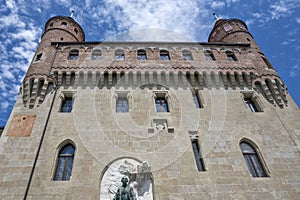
x=275 y=25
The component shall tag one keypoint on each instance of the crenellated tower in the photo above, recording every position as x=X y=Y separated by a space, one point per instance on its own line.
x=267 y=81
x=37 y=80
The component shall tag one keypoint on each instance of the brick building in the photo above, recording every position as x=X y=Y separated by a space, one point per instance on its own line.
x=182 y=120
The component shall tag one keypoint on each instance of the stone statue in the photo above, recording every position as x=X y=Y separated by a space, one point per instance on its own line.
x=125 y=192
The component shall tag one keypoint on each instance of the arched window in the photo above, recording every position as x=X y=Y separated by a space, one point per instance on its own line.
x=164 y=55
x=187 y=55
x=230 y=56
x=252 y=160
x=119 y=54
x=64 y=165
x=141 y=54
x=96 y=55
x=74 y=54
x=209 y=55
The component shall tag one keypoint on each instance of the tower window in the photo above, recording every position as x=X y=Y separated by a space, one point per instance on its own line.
x=252 y=160
x=76 y=30
x=198 y=156
x=141 y=54
x=187 y=55
x=209 y=56
x=66 y=104
x=64 y=24
x=164 y=55
x=250 y=105
x=119 y=54
x=230 y=56
x=74 y=54
x=65 y=163
x=38 y=57
x=96 y=54
x=161 y=104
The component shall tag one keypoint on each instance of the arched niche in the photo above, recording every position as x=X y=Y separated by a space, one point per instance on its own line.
x=138 y=173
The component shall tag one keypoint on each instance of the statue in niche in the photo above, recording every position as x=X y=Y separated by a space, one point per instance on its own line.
x=125 y=192
x=138 y=175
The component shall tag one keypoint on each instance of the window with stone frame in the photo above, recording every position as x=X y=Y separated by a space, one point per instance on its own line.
x=252 y=102
x=74 y=54
x=209 y=56
x=67 y=100
x=198 y=156
x=187 y=55
x=161 y=100
x=141 y=54
x=64 y=164
x=230 y=56
x=96 y=54
x=252 y=160
x=164 y=55
x=122 y=104
x=119 y=54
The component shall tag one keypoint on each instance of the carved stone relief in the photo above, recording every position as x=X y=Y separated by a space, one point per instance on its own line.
x=139 y=176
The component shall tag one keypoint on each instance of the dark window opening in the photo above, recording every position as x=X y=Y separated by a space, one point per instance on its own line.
x=164 y=55
x=161 y=104
x=65 y=163
x=250 y=105
x=197 y=155
x=141 y=55
x=252 y=160
x=96 y=55
x=209 y=56
x=74 y=55
x=122 y=104
x=64 y=24
x=76 y=31
x=67 y=104
x=38 y=57
x=197 y=101
x=187 y=55
x=119 y=55
x=230 y=56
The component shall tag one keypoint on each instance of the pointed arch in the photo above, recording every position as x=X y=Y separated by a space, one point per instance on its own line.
x=64 y=161
x=253 y=158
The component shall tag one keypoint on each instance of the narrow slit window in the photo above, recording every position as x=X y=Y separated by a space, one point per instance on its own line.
x=64 y=165
x=230 y=56
x=141 y=55
x=252 y=160
x=198 y=156
x=209 y=56
x=164 y=55
x=197 y=101
x=73 y=55
x=122 y=104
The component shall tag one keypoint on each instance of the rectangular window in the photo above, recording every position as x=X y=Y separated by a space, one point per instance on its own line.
x=164 y=55
x=250 y=105
x=197 y=155
x=122 y=104
x=197 y=101
x=67 y=104
x=252 y=102
x=161 y=104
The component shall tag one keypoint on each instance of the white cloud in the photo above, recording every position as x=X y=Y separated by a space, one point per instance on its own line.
x=217 y=5
x=5 y=105
x=297 y=19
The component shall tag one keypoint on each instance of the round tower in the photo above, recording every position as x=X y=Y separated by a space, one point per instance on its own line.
x=266 y=80
x=37 y=81
x=57 y=29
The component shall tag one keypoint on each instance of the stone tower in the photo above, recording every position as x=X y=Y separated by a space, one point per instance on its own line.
x=267 y=81
x=179 y=120
x=38 y=80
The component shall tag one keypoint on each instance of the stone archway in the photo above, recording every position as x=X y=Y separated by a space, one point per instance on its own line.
x=138 y=173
